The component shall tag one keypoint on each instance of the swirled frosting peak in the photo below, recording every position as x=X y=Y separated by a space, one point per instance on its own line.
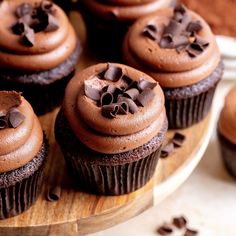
x=20 y=132
x=127 y=120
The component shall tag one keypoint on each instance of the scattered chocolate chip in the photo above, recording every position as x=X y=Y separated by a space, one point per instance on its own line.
x=53 y=193
x=150 y=31
x=194 y=26
x=179 y=222
x=52 y=24
x=92 y=93
x=178 y=139
x=133 y=108
x=145 y=97
x=15 y=118
x=190 y=232
x=28 y=37
x=167 y=150
x=24 y=9
x=110 y=111
x=164 y=230
x=123 y=108
x=106 y=99
x=131 y=93
x=18 y=28
x=3 y=122
x=113 y=73
x=145 y=84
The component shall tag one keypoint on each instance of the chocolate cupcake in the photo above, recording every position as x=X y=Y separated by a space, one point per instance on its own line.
x=108 y=21
x=111 y=128
x=23 y=152
x=39 y=50
x=177 y=48
x=227 y=132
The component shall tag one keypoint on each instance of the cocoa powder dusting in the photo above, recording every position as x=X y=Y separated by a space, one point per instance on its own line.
x=219 y=14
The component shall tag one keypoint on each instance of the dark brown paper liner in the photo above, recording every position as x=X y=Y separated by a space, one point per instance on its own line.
x=18 y=197
x=185 y=112
x=228 y=153
x=113 y=179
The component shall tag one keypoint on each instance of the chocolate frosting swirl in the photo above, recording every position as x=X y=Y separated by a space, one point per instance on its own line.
x=50 y=48
x=124 y=132
x=19 y=145
x=124 y=10
x=168 y=66
x=226 y=123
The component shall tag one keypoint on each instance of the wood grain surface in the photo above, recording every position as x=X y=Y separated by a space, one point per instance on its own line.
x=78 y=213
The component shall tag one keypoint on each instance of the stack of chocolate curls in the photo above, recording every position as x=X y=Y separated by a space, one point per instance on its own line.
x=10 y=116
x=121 y=100
x=33 y=19
x=180 y=33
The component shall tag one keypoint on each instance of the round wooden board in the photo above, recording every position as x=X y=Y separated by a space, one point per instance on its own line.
x=79 y=213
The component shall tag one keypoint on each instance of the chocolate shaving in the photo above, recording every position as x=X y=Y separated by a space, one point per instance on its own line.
x=145 y=84
x=202 y=42
x=179 y=222
x=53 y=193
x=91 y=92
x=164 y=230
x=190 y=232
x=167 y=150
x=194 y=26
x=145 y=97
x=150 y=31
x=166 y=42
x=133 y=108
x=106 y=99
x=52 y=24
x=123 y=108
x=131 y=93
x=178 y=139
x=18 y=28
x=3 y=122
x=179 y=8
x=113 y=73
x=15 y=118
x=110 y=111
x=24 y=9
x=28 y=37
x=173 y=28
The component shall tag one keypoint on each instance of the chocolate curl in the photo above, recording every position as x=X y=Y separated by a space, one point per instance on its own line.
x=202 y=42
x=145 y=84
x=110 y=111
x=106 y=99
x=53 y=193
x=194 y=50
x=52 y=23
x=24 y=9
x=180 y=9
x=178 y=139
x=46 y=6
x=110 y=89
x=173 y=28
x=164 y=230
x=123 y=108
x=179 y=222
x=167 y=150
x=150 y=31
x=3 y=122
x=113 y=73
x=133 y=108
x=15 y=118
x=145 y=97
x=18 y=28
x=194 y=26
x=131 y=93
x=91 y=92
x=28 y=36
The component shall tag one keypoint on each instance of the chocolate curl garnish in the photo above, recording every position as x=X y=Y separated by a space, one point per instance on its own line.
x=24 y=9
x=46 y=6
x=194 y=26
x=15 y=118
x=53 y=193
x=166 y=42
x=145 y=97
x=123 y=108
x=133 y=108
x=52 y=24
x=3 y=122
x=91 y=92
x=145 y=84
x=113 y=73
x=131 y=93
x=106 y=99
x=173 y=28
x=180 y=9
x=110 y=89
x=110 y=111
x=150 y=31
x=28 y=36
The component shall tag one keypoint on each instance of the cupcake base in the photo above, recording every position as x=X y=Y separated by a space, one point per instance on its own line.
x=44 y=90
x=188 y=105
x=228 y=153
x=20 y=188
x=108 y=174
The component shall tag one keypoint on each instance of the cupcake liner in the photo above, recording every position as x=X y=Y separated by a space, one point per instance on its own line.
x=185 y=112
x=228 y=153
x=113 y=179
x=20 y=191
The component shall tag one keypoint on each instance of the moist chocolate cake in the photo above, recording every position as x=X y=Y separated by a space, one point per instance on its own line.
x=111 y=128
x=39 y=51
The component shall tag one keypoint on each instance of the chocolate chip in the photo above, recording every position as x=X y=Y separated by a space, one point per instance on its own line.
x=52 y=23
x=133 y=108
x=145 y=97
x=3 y=122
x=113 y=73
x=28 y=37
x=106 y=99
x=164 y=230
x=123 y=108
x=53 y=193
x=180 y=41
x=145 y=84
x=131 y=93
x=190 y=232
x=167 y=150
x=24 y=9
x=110 y=111
x=178 y=139
x=91 y=92
x=15 y=118
x=179 y=222
x=194 y=26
